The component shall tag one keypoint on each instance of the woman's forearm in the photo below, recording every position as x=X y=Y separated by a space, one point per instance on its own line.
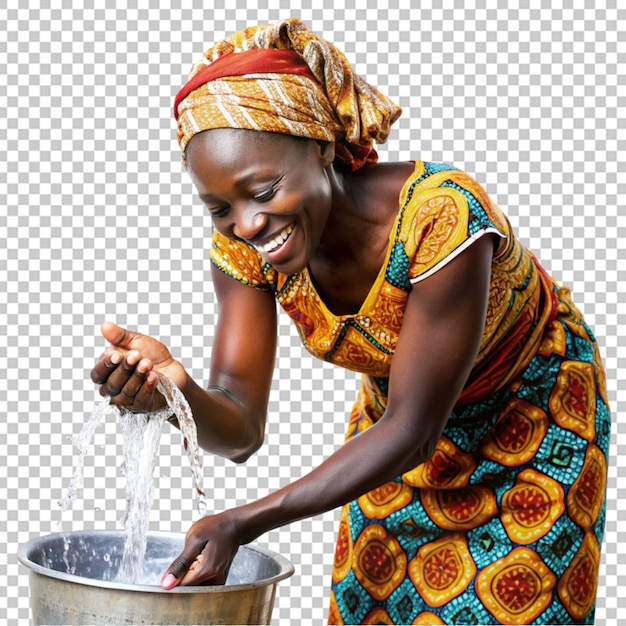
x=371 y=459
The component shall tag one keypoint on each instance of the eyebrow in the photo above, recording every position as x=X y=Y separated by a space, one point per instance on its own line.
x=244 y=180
x=247 y=178
x=207 y=197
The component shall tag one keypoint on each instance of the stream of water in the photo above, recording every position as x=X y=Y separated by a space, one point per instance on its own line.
x=141 y=434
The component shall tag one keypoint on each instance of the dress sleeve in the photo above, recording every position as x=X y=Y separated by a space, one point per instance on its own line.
x=240 y=261
x=443 y=212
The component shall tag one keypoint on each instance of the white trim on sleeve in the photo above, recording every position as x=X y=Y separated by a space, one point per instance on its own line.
x=468 y=242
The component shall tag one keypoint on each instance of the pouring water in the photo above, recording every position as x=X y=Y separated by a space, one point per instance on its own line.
x=141 y=433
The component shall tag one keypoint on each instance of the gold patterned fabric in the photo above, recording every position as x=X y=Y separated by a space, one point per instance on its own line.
x=504 y=523
x=442 y=212
x=338 y=105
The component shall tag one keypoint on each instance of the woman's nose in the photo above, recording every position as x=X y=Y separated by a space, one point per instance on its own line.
x=249 y=223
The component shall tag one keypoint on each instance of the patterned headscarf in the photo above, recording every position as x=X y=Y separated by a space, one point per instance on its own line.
x=283 y=78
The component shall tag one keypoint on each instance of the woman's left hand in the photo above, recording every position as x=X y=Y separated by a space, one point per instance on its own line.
x=210 y=547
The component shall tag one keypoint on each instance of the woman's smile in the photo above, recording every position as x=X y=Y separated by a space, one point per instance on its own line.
x=276 y=242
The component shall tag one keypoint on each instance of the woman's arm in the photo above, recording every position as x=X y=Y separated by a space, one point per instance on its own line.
x=242 y=363
x=437 y=347
x=230 y=414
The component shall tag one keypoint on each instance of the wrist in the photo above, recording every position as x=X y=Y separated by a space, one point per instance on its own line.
x=188 y=387
x=234 y=515
x=251 y=521
x=256 y=518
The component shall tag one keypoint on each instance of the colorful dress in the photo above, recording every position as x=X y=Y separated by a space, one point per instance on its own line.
x=504 y=523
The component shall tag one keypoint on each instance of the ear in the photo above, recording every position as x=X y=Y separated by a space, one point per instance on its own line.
x=327 y=152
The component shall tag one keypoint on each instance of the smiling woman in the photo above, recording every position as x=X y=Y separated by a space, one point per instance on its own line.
x=473 y=475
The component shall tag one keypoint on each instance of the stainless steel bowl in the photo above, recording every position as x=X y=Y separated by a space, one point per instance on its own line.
x=72 y=581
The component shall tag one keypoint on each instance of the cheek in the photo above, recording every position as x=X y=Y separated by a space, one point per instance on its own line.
x=311 y=205
x=315 y=187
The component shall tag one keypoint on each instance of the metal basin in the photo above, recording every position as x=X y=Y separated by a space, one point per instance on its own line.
x=72 y=581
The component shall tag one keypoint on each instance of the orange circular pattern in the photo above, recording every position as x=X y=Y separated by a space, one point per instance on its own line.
x=517 y=434
x=518 y=585
x=343 y=548
x=448 y=468
x=516 y=588
x=377 y=561
x=459 y=509
x=530 y=508
x=380 y=562
x=578 y=586
x=586 y=496
x=600 y=374
x=385 y=500
x=442 y=570
x=573 y=401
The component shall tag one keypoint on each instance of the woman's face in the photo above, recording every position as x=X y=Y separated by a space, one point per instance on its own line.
x=271 y=191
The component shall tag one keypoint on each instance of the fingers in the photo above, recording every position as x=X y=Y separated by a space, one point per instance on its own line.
x=206 y=569
x=127 y=377
x=145 y=397
x=199 y=571
x=120 y=340
x=204 y=561
x=103 y=368
x=129 y=381
x=125 y=374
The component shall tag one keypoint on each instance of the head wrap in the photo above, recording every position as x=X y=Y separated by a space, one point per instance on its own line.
x=283 y=78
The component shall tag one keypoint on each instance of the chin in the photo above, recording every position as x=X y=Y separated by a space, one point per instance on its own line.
x=291 y=264
x=290 y=268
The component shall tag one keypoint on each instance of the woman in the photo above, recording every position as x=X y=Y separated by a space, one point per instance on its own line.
x=474 y=491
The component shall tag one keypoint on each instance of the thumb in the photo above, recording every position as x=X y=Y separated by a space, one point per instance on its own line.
x=116 y=335
x=177 y=570
x=169 y=581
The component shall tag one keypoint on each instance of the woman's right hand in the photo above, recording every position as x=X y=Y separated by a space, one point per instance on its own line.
x=129 y=370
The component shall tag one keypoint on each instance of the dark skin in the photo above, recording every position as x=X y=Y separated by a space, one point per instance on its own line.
x=265 y=189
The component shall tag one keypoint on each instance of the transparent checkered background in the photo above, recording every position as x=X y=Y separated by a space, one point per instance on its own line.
x=99 y=221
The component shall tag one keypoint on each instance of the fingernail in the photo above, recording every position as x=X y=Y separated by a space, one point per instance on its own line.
x=131 y=357
x=116 y=357
x=168 y=581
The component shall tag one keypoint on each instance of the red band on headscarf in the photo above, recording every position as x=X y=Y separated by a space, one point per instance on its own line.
x=254 y=61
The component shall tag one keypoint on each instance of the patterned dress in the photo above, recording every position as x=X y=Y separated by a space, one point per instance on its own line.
x=504 y=523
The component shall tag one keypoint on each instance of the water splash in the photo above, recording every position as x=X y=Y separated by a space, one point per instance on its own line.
x=177 y=404
x=141 y=442
x=141 y=434
x=82 y=442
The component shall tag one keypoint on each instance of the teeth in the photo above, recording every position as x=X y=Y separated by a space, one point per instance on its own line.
x=278 y=241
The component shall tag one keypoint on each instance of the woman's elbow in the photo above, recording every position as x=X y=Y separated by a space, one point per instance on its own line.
x=247 y=449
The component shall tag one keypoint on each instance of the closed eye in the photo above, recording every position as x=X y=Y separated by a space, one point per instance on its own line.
x=218 y=212
x=268 y=193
